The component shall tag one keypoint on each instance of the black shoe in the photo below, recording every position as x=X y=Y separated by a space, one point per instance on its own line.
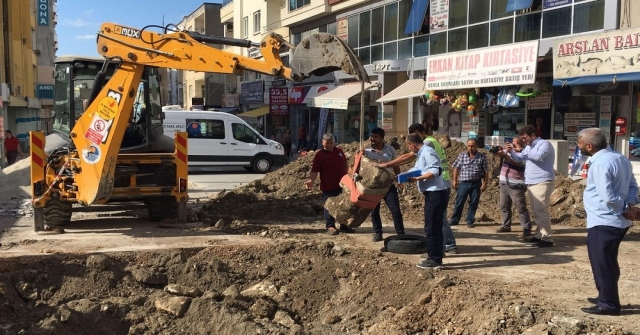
x=504 y=229
x=593 y=300
x=471 y=225
x=543 y=244
x=526 y=233
x=599 y=311
x=346 y=229
x=429 y=264
x=532 y=240
x=377 y=237
x=451 y=250
x=451 y=223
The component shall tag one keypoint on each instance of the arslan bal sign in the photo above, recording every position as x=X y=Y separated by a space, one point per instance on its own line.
x=610 y=53
x=513 y=64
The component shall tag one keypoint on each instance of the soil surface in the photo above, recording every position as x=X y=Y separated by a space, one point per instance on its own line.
x=257 y=260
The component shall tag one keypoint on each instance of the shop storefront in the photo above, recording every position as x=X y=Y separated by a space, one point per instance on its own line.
x=598 y=78
x=482 y=92
x=252 y=101
x=301 y=105
x=393 y=119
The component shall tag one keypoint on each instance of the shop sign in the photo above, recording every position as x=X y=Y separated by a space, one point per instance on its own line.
x=390 y=66
x=231 y=99
x=278 y=100
x=387 y=117
x=44 y=91
x=543 y=101
x=254 y=52
x=43 y=12
x=555 y=3
x=439 y=18
x=252 y=93
x=343 y=28
x=508 y=65
x=609 y=53
x=278 y=82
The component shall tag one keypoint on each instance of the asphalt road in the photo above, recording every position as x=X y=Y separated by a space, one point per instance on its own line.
x=203 y=182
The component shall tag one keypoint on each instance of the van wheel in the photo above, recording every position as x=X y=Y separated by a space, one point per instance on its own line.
x=262 y=164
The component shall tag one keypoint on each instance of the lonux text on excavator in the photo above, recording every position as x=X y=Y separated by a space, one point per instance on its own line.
x=107 y=145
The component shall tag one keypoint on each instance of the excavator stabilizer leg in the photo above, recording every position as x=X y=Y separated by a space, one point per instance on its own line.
x=322 y=53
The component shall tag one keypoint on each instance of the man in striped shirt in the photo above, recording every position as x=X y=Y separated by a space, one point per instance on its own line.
x=513 y=191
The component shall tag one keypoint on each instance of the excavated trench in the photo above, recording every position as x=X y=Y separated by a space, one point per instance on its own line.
x=287 y=288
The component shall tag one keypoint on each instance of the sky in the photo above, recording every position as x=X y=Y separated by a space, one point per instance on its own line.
x=80 y=20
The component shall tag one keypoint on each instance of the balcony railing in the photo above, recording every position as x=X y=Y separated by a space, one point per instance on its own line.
x=272 y=26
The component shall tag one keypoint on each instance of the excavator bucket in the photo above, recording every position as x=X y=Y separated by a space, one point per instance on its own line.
x=322 y=53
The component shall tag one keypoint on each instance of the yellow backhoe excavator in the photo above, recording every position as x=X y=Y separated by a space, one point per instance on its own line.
x=107 y=143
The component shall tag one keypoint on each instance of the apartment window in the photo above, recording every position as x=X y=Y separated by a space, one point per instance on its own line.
x=245 y=27
x=391 y=22
x=501 y=32
x=556 y=22
x=479 y=11
x=295 y=4
x=458 y=13
x=457 y=40
x=498 y=9
x=588 y=17
x=404 y=9
x=365 y=29
x=352 y=35
x=478 y=36
x=213 y=129
x=256 y=23
x=377 y=30
x=528 y=27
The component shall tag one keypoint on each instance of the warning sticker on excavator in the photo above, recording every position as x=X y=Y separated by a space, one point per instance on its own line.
x=98 y=130
x=91 y=155
x=108 y=108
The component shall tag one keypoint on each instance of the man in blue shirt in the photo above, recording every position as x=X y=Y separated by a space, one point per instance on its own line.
x=436 y=198
x=539 y=176
x=608 y=199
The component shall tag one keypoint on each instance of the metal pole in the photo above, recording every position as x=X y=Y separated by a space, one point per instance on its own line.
x=362 y=115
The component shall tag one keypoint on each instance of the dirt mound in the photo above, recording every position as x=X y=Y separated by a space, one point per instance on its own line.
x=15 y=180
x=281 y=195
x=294 y=288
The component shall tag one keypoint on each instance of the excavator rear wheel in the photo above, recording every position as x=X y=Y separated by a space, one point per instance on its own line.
x=57 y=213
x=160 y=208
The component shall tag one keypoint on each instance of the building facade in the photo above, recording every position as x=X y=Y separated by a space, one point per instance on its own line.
x=202 y=89
x=28 y=41
x=46 y=45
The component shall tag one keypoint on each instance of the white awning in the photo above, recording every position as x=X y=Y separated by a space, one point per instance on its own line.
x=410 y=89
x=338 y=97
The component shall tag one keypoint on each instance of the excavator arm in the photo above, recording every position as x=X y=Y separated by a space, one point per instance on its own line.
x=98 y=133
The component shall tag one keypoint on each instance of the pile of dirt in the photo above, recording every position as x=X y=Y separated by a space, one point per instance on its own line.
x=15 y=180
x=281 y=195
x=294 y=288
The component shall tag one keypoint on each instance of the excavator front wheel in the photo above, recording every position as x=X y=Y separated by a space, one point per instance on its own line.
x=57 y=212
x=160 y=208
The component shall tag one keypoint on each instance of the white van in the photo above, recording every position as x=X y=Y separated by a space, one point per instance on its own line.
x=222 y=139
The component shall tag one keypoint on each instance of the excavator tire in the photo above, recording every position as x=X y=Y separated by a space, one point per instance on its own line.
x=160 y=208
x=57 y=213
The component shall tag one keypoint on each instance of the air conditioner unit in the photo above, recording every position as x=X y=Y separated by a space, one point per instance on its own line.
x=202 y=30
x=228 y=27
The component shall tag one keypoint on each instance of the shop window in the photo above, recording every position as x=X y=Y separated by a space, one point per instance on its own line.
x=352 y=37
x=365 y=29
x=296 y=38
x=588 y=17
x=501 y=32
x=365 y=55
x=403 y=16
x=391 y=50
x=457 y=40
x=478 y=36
x=498 y=9
x=377 y=30
x=331 y=28
x=212 y=129
x=438 y=43
x=243 y=133
x=391 y=22
x=377 y=53
x=404 y=49
x=421 y=46
x=528 y=27
x=556 y=22
x=458 y=13
x=479 y=11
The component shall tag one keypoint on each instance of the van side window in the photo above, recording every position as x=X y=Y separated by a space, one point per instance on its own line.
x=243 y=133
x=213 y=129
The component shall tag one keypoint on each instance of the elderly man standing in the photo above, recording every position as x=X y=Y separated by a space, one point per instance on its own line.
x=611 y=192
x=331 y=163
x=436 y=198
x=470 y=178
x=539 y=176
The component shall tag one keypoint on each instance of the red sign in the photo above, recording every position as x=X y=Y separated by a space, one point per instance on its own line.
x=279 y=100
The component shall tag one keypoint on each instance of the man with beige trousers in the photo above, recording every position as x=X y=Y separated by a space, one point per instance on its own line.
x=539 y=176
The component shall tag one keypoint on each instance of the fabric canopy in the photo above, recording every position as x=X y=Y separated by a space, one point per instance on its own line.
x=256 y=112
x=411 y=88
